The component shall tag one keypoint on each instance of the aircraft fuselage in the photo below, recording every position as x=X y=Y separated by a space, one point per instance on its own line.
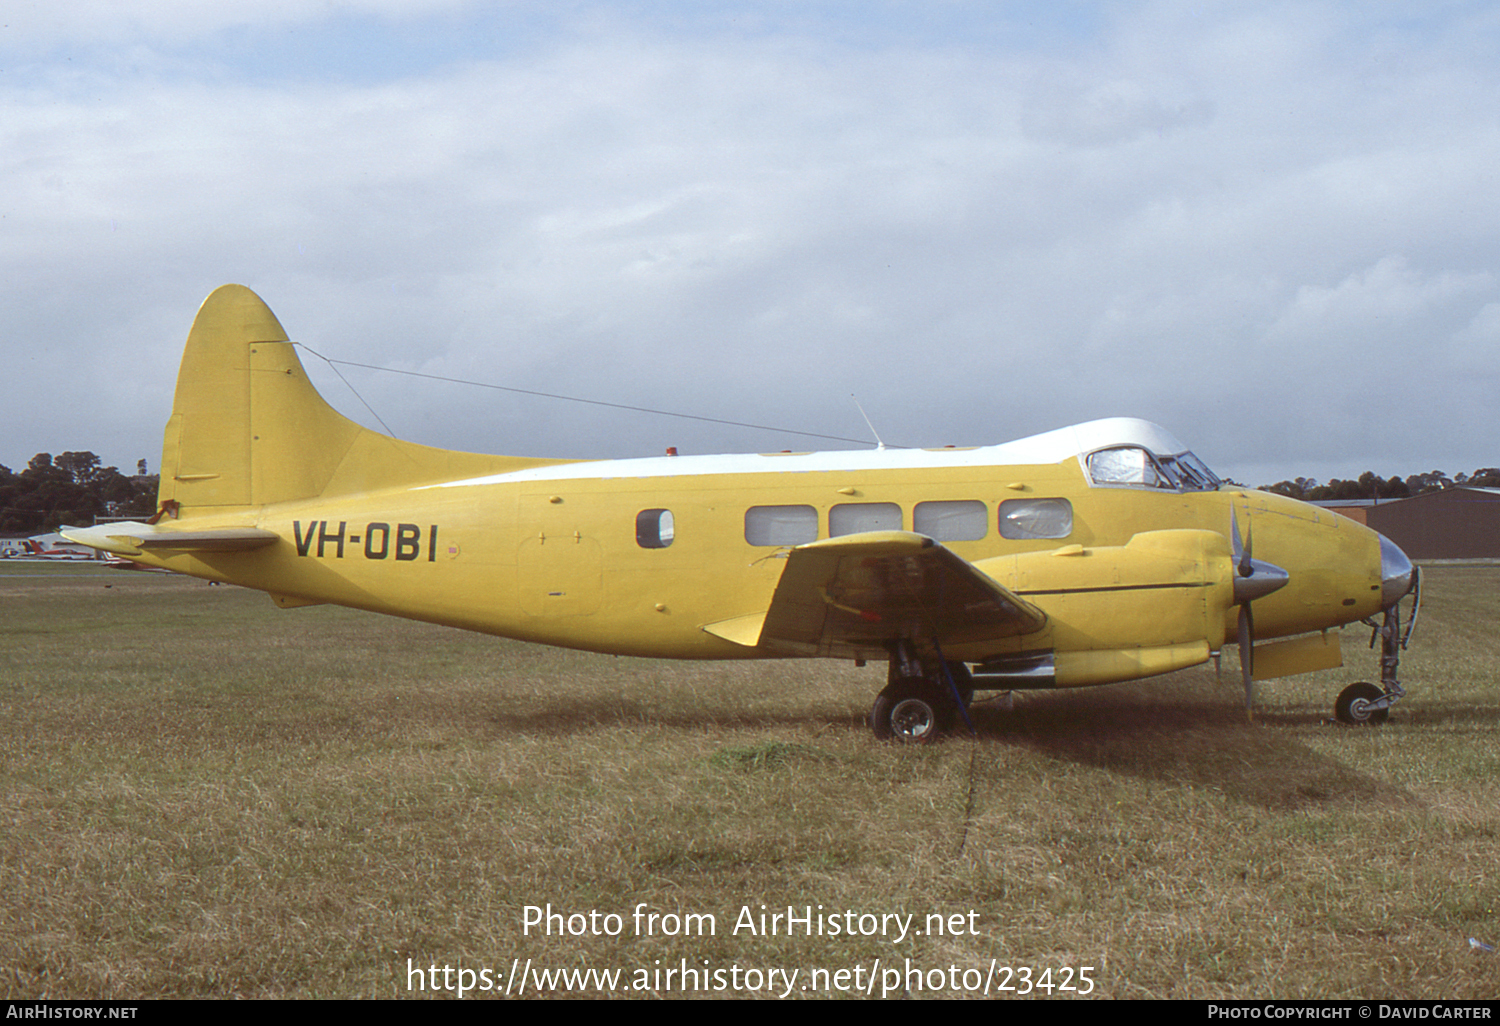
x=552 y=554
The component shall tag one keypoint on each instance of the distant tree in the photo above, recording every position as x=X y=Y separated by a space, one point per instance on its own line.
x=50 y=496
x=73 y=488
x=1432 y=481
x=138 y=497
x=1338 y=488
x=9 y=491
x=81 y=467
x=1374 y=487
x=1485 y=477
x=1369 y=485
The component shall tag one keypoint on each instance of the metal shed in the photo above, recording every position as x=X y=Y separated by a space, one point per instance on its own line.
x=1455 y=523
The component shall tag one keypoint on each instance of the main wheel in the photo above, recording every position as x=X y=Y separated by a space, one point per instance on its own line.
x=912 y=709
x=1353 y=705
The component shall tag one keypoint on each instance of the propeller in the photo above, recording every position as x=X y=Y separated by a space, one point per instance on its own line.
x=1253 y=579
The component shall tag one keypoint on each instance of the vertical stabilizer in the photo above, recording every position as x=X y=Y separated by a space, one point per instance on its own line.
x=247 y=427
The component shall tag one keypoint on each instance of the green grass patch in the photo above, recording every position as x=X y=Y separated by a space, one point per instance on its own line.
x=203 y=795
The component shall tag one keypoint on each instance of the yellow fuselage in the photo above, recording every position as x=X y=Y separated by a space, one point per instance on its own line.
x=554 y=558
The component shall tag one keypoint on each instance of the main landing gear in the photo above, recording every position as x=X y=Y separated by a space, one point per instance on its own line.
x=920 y=702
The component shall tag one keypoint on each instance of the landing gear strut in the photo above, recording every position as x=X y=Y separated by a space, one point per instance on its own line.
x=919 y=703
x=1366 y=703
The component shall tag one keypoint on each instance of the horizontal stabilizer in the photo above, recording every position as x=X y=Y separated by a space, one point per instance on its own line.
x=131 y=538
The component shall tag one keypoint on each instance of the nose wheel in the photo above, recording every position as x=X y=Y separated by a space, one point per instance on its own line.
x=1359 y=704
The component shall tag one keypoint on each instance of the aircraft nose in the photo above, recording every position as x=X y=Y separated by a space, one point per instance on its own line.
x=1396 y=573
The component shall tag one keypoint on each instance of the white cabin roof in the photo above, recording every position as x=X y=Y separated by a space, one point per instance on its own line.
x=1048 y=447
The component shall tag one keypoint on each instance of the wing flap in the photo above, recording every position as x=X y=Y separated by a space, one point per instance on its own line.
x=854 y=593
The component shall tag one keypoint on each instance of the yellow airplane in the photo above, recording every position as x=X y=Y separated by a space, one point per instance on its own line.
x=1097 y=553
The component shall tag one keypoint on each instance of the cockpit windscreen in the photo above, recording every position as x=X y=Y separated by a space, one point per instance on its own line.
x=1135 y=465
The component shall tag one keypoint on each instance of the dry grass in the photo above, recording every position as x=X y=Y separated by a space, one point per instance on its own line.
x=205 y=796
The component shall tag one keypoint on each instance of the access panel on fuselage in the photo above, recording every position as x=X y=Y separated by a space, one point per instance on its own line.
x=559 y=563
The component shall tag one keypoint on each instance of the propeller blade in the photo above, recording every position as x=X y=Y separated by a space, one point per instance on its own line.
x=1253 y=579
x=1247 y=652
x=1247 y=561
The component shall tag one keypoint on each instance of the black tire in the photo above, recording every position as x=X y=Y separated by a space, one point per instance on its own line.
x=1351 y=706
x=912 y=710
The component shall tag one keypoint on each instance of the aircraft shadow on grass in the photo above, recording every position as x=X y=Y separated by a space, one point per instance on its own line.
x=1189 y=743
x=1173 y=740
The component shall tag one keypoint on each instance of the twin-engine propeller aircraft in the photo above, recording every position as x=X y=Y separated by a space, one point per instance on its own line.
x=1098 y=553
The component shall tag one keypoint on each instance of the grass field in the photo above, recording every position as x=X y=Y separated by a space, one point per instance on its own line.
x=205 y=796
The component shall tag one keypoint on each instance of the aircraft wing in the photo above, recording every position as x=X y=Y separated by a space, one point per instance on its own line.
x=854 y=593
x=131 y=538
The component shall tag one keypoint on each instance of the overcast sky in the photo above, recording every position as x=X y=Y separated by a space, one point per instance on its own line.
x=1274 y=228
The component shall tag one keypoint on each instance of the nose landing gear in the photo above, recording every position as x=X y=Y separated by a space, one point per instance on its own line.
x=1365 y=703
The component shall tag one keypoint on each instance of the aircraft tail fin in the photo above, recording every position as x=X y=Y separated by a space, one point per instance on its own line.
x=249 y=429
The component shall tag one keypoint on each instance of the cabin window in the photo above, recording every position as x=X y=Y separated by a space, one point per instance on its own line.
x=781 y=525
x=957 y=520
x=1127 y=464
x=654 y=528
x=856 y=517
x=1022 y=519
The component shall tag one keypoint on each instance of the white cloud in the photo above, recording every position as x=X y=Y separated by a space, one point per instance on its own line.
x=1389 y=296
x=31 y=23
x=1199 y=215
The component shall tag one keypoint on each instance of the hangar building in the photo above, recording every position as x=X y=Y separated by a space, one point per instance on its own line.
x=1454 y=523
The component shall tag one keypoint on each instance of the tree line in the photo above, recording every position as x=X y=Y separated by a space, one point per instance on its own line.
x=73 y=488
x=76 y=488
x=1371 y=486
